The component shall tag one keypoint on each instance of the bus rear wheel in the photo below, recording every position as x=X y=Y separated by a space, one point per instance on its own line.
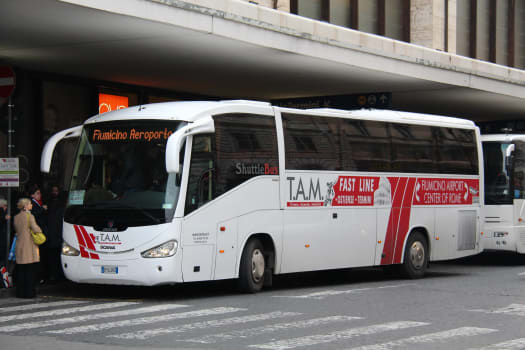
x=416 y=256
x=253 y=267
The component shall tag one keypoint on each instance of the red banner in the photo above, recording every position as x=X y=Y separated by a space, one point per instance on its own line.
x=355 y=190
x=430 y=191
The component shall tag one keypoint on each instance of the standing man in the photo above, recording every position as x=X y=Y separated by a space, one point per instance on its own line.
x=55 y=217
x=39 y=211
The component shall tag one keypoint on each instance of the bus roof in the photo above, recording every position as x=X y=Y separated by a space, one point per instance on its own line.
x=503 y=137
x=396 y=116
x=190 y=111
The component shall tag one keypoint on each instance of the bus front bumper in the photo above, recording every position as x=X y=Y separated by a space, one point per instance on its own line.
x=138 y=272
x=504 y=238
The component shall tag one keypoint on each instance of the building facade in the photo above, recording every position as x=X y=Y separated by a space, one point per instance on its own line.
x=489 y=30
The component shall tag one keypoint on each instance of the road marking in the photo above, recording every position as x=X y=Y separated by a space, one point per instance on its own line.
x=146 y=334
x=516 y=344
x=58 y=312
x=512 y=309
x=246 y=333
x=40 y=305
x=145 y=320
x=429 y=338
x=339 y=335
x=331 y=292
x=82 y=318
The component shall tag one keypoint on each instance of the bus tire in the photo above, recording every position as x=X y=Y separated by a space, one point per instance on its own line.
x=253 y=267
x=416 y=256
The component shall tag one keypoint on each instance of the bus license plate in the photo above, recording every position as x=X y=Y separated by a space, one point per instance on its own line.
x=109 y=269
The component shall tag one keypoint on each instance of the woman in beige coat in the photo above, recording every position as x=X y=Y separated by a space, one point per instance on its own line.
x=27 y=253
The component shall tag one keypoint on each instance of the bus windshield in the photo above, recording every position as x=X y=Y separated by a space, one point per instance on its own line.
x=119 y=176
x=504 y=171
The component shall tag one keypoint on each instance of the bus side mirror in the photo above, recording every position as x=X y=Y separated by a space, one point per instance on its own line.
x=508 y=156
x=49 y=147
x=177 y=139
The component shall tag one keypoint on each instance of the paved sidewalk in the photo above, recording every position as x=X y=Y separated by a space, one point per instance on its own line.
x=44 y=288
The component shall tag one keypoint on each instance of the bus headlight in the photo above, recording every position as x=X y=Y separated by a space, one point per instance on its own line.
x=69 y=250
x=162 y=251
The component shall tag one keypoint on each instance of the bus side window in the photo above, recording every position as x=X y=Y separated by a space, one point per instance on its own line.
x=201 y=176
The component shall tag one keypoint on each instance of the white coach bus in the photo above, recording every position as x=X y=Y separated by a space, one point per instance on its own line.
x=196 y=191
x=504 y=211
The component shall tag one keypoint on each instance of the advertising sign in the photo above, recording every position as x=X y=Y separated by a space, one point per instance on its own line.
x=370 y=191
x=108 y=103
x=377 y=100
x=9 y=172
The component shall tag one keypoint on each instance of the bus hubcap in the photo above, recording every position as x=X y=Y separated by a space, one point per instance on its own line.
x=417 y=255
x=257 y=265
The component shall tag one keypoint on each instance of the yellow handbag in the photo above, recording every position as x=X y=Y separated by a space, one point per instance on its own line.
x=38 y=237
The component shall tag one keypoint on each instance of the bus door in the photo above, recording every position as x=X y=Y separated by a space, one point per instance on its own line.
x=198 y=227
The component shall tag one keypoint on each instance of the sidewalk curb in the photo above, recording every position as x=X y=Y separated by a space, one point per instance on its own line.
x=7 y=293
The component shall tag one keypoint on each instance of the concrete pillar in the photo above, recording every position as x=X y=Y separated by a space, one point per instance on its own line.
x=427 y=23
x=452 y=25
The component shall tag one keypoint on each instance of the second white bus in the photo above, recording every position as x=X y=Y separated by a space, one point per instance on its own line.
x=504 y=211
x=196 y=191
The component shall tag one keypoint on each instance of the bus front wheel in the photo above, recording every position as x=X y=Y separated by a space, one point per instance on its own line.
x=416 y=256
x=253 y=267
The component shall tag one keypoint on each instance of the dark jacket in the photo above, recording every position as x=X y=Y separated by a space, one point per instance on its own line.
x=55 y=217
x=40 y=215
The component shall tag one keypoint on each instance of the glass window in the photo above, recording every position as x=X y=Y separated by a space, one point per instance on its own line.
x=246 y=147
x=366 y=145
x=120 y=174
x=201 y=184
x=413 y=148
x=324 y=143
x=59 y=113
x=243 y=147
x=497 y=173
x=311 y=142
x=518 y=170
x=457 y=151
x=518 y=167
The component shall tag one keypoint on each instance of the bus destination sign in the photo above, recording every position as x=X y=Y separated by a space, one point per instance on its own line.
x=129 y=134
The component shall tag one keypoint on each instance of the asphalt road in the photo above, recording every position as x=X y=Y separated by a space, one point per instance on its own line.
x=475 y=303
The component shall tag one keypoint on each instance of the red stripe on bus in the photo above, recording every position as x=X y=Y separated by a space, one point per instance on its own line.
x=81 y=242
x=404 y=219
x=386 y=257
x=90 y=242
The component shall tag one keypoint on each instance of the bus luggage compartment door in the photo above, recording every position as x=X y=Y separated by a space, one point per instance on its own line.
x=197 y=262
